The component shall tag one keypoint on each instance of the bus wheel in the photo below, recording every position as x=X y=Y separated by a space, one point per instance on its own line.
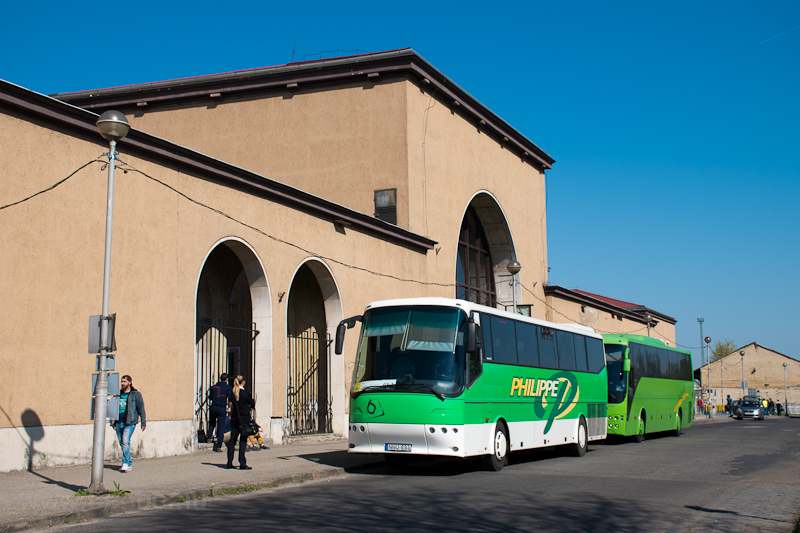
x=579 y=448
x=677 y=431
x=499 y=457
x=639 y=437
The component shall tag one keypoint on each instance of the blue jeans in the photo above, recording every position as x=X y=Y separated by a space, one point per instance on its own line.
x=124 y=438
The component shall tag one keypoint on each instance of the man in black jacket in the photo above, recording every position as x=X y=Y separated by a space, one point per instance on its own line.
x=220 y=395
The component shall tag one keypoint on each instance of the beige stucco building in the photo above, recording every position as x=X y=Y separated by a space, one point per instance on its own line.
x=763 y=370
x=253 y=211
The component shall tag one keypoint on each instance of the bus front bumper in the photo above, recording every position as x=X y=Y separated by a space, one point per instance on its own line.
x=413 y=439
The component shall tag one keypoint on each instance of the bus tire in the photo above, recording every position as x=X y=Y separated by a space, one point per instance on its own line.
x=640 y=428
x=582 y=443
x=677 y=431
x=499 y=456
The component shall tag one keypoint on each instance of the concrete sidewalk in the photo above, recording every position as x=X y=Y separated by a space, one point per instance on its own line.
x=50 y=496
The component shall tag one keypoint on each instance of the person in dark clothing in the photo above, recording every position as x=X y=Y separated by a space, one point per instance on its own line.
x=220 y=396
x=241 y=404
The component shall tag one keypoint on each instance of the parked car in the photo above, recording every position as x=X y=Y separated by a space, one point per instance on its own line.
x=749 y=409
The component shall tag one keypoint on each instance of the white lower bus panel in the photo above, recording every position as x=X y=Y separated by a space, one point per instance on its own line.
x=415 y=439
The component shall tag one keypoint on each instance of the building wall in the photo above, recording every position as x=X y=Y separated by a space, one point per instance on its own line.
x=763 y=371
x=344 y=143
x=450 y=162
x=562 y=310
x=51 y=264
x=341 y=144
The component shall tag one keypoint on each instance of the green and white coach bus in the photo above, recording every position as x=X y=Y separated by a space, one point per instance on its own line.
x=650 y=386
x=442 y=377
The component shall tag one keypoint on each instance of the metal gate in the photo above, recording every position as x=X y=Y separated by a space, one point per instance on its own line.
x=308 y=397
x=223 y=346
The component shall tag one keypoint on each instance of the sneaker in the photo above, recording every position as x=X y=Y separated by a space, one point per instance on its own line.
x=264 y=447
x=124 y=468
x=245 y=467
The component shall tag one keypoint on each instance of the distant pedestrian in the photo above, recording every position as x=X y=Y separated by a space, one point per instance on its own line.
x=131 y=407
x=728 y=404
x=699 y=406
x=220 y=396
x=779 y=407
x=771 y=407
x=241 y=404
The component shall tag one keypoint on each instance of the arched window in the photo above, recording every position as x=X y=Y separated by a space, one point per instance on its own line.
x=474 y=274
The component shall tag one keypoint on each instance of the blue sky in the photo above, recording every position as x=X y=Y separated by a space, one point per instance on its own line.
x=675 y=126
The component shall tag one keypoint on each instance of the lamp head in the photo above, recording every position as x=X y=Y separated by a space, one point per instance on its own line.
x=113 y=125
x=513 y=267
x=741 y=352
x=707 y=339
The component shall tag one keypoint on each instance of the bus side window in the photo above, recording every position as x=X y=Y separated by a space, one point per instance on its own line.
x=595 y=355
x=504 y=342
x=547 y=347
x=474 y=367
x=486 y=340
x=527 y=349
x=566 y=350
x=580 y=353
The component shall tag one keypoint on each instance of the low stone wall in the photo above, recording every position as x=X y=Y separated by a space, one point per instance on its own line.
x=32 y=448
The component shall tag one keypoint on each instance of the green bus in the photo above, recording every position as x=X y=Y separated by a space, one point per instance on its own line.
x=443 y=377
x=650 y=386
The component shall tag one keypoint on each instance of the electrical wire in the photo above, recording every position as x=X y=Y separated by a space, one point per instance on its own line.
x=126 y=167
x=56 y=184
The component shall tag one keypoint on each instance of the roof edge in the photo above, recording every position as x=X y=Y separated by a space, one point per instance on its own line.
x=82 y=122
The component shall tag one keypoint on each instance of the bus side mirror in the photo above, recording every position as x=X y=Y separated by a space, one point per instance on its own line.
x=626 y=365
x=343 y=326
x=340 y=330
x=471 y=338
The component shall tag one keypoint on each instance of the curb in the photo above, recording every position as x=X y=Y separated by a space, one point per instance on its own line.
x=116 y=504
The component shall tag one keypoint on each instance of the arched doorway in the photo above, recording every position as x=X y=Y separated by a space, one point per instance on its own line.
x=313 y=311
x=485 y=247
x=232 y=325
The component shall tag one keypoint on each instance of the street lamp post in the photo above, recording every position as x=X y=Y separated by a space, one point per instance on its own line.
x=513 y=268
x=785 y=396
x=113 y=126
x=708 y=372
x=741 y=352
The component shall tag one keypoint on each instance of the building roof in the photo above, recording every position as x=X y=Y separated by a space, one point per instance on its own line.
x=612 y=305
x=322 y=73
x=80 y=122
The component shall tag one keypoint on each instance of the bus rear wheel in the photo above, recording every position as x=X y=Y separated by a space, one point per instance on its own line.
x=639 y=437
x=579 y=448
x=677 y=431
x=499 y=457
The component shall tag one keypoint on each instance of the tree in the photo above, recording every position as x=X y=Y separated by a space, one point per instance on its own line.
x=721 y=349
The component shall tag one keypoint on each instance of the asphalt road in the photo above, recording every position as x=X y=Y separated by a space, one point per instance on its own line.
x=728 y=476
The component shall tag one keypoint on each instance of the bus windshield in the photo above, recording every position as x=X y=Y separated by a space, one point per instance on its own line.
x=413 y=349
x=615 y=354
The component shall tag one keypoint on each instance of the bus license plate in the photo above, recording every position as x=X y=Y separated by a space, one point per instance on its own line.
x=398 y=447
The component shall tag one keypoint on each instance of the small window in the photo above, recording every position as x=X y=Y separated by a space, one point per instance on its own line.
x=386 y=205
